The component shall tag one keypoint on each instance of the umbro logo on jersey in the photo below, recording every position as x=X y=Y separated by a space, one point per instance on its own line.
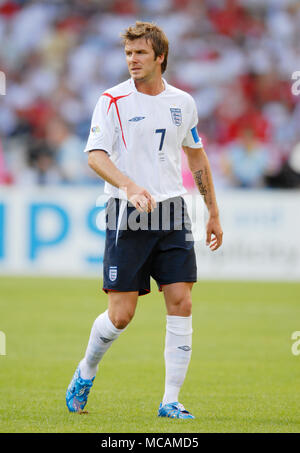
x=184 y=348
x=137 y=118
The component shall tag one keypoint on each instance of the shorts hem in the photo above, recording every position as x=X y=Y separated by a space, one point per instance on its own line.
x=176 y=281
x=142 y=292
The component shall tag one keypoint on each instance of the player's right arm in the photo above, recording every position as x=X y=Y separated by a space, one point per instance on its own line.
x=100 y=162
x=99 y=146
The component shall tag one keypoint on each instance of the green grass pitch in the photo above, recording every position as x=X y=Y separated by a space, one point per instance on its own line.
x=243 y=376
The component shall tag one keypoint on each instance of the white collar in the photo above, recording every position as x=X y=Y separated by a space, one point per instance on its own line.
x=159 y=94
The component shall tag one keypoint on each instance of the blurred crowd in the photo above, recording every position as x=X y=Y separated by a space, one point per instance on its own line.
x=236 y=58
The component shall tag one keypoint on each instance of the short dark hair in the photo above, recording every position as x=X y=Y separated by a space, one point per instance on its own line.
x=151 y=32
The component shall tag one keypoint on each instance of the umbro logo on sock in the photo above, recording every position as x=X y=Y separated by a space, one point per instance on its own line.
x=105 y=340
x=184 y=348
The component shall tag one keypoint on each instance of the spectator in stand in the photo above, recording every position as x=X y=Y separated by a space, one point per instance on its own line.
x=42 y=169
x=246 y=160
x=289 y=175
x=70 y=159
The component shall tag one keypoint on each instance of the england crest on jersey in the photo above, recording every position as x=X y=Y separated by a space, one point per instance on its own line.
x=176 y=116
x=113 y=273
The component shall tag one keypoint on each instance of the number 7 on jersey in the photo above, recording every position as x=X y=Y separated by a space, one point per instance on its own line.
x=161 y=153
x=163 y=133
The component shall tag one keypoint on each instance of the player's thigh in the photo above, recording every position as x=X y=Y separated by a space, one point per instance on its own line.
x=121 y=307
x=178 y=298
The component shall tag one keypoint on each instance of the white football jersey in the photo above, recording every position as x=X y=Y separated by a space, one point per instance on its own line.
x=144 y=135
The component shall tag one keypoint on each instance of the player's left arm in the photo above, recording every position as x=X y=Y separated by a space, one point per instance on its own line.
x=200 y=168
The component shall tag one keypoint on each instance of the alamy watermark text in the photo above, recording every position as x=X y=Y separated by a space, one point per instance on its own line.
x=2 y=343
x=296 y=345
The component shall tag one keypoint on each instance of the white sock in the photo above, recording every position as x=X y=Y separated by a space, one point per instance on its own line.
x=102 y=336
x=177 y=355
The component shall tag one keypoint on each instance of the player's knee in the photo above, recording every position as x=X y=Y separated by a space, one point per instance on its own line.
x=121 y=320
x=182 y=306
x=186 y=306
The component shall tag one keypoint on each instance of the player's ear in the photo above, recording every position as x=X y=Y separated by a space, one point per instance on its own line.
x=160 y=58
x=161 y=62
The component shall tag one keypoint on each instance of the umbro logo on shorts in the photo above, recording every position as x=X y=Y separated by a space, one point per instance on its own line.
x=113 y=273
x=137 y=118
x=184 y=348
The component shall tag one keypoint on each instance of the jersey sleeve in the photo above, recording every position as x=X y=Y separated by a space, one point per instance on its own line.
x=103 y=132
x=192 y=139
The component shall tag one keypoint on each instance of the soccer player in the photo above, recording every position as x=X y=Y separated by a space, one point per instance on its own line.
x=138 y=130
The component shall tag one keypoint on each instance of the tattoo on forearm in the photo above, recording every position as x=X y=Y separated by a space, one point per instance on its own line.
x=198 y=179
x=202 y=181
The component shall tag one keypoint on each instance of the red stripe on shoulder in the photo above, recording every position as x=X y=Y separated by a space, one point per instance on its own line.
x=114 y=100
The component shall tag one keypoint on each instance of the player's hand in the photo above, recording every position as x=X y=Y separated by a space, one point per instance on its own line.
x=214 y=233
x=141 y=199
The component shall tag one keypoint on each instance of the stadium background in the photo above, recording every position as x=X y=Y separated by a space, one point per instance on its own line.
x=236 y=57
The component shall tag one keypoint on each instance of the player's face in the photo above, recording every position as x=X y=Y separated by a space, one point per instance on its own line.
x=141 y=60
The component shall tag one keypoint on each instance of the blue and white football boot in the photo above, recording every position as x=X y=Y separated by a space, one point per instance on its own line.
x=174 y=410
x=78 y=392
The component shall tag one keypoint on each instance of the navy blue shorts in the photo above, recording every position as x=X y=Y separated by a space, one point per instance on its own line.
x=140 y=245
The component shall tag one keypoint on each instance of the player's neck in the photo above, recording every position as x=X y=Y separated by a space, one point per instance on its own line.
x=150 y=87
